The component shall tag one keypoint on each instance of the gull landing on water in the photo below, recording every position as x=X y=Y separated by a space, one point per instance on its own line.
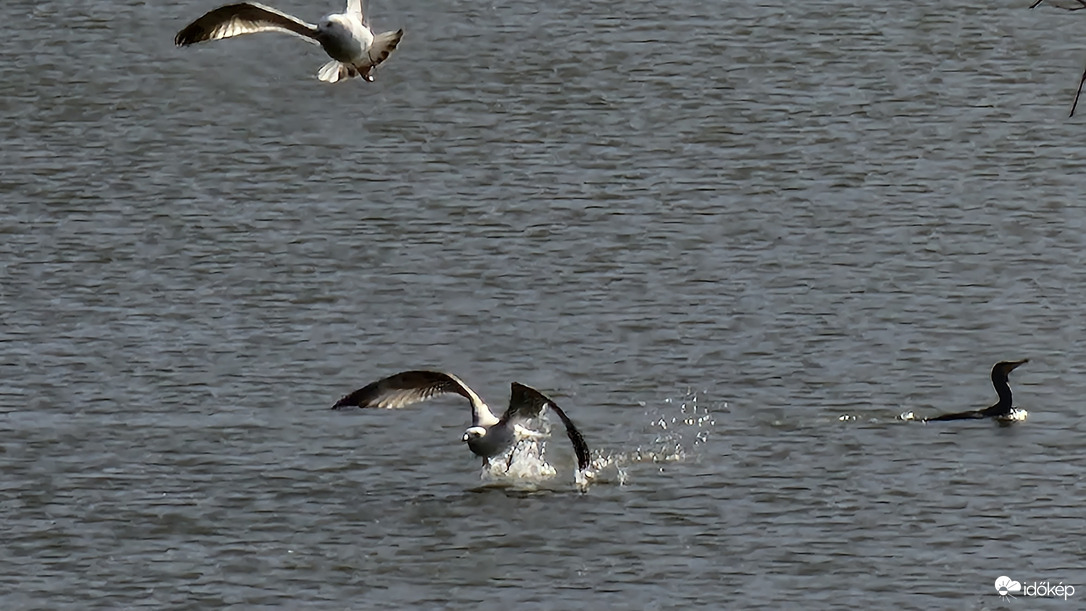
x=488 y=435
x=345 y=36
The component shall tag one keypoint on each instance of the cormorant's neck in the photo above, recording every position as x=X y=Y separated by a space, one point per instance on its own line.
x=1003 y=389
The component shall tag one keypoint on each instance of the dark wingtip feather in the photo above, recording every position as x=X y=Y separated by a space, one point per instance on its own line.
x=351 y=400
x=184 y=38
x=580 y=447
x=193 y=33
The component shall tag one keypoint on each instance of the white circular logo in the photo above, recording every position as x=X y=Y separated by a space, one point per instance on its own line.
x=1005 y=585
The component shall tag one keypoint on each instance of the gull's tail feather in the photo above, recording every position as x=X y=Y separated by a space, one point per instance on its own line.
x=334 y=71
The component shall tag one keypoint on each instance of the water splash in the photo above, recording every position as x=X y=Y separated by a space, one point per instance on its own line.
x=679 y=433
x=677 y=428
x=523 y=463
x=1016 y=414
x=525 y=466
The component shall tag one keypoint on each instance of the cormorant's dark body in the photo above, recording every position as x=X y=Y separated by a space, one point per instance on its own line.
x=1002 y=409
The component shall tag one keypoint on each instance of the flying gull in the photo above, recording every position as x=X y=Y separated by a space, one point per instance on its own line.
x=488 y=435
x=345 y=36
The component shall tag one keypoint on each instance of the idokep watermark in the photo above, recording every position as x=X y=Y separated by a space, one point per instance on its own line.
x=1009 y=588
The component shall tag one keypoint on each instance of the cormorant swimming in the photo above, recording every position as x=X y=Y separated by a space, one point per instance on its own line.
x=1003 y=410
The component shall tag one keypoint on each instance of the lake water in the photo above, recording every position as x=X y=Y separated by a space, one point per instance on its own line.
x=733 y=240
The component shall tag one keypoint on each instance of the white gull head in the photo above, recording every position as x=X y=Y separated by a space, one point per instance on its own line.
x=473 y=432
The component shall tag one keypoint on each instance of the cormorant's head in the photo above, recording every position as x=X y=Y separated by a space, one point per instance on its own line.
x=1003 y=369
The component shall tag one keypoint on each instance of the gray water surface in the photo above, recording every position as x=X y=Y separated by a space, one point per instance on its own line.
x=733 y=240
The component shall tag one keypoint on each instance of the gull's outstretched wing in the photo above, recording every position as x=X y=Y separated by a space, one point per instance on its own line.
x=526 y=402
x=409 y=387
x=244 y=18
